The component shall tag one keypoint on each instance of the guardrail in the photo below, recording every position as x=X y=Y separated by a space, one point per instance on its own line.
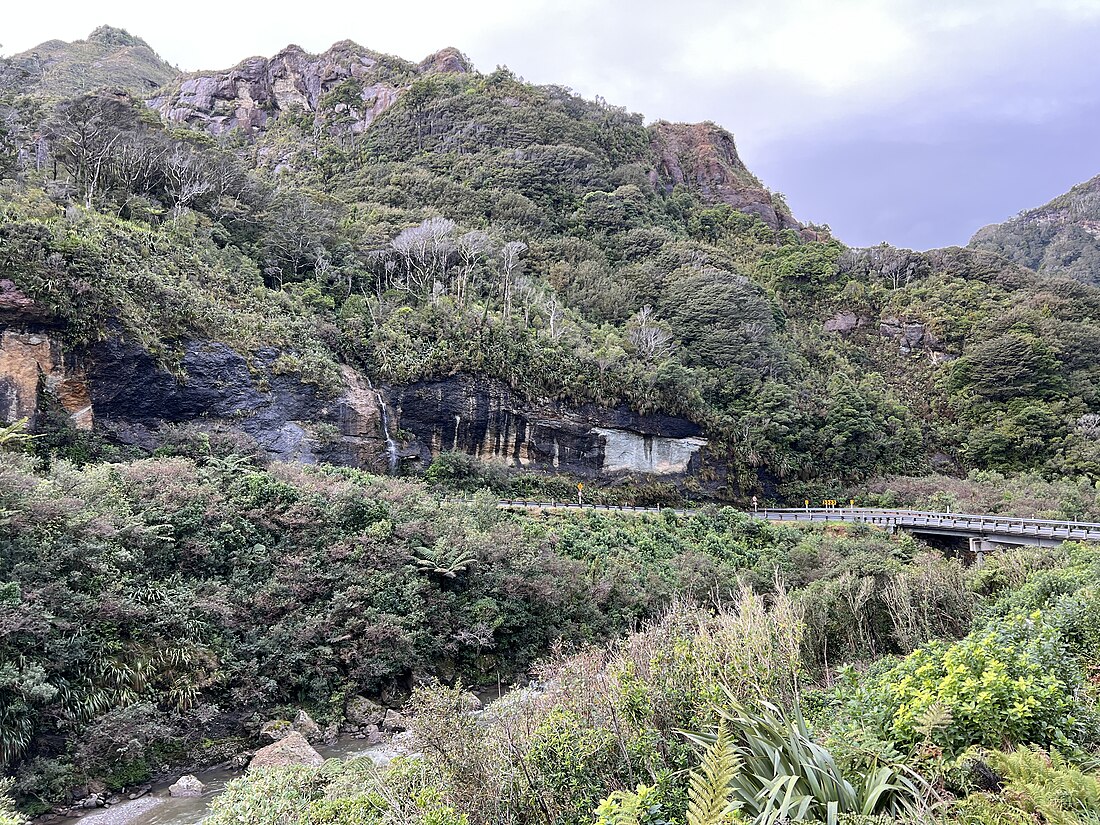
x=975 y=524
x=567 y=505
x=968 y=524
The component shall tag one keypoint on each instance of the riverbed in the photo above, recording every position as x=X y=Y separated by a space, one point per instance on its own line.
x=158 y=808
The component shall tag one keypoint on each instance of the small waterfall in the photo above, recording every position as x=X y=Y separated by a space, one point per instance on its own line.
x=391 y=444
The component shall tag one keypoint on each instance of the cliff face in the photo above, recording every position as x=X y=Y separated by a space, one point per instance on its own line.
x=703 y=157
x=347 y=85
x=1060 y=238
x=483 y=418
x=120 y=391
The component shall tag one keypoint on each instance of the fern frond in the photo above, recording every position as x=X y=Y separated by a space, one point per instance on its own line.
x=710 y=796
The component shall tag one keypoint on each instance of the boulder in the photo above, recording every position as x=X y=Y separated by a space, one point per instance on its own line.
x=394 y=722
x=470 y=703
x=187 y=786
x=292 y=749
x=361 y=711
x=304 y=724
x=276 y=729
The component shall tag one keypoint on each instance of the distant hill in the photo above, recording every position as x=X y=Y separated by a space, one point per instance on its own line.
x=109 y=57
x=1060 y=238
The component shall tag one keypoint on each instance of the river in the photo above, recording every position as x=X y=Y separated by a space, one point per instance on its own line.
x=158 y=808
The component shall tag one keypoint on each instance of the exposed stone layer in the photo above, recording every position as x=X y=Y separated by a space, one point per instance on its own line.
x=484 y=418
x=32 y=362
x=120 y=390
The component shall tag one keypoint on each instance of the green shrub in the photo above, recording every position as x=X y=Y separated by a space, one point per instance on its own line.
x=270 y=796
x=1014 y=682
x=573 y=765
x=8 y=814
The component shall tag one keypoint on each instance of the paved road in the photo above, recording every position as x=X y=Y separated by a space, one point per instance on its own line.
x=991 y=529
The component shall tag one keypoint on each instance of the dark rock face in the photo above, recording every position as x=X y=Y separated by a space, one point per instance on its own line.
x=121 y=391
x=485 y=419
x=132 y=397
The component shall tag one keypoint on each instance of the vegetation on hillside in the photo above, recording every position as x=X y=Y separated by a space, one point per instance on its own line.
x=1058 y=238
x=712 y=669
x=108 y=57
x=718 y=716
x=485 y=225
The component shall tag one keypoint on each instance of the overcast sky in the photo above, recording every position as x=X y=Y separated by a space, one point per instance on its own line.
x=910 y=121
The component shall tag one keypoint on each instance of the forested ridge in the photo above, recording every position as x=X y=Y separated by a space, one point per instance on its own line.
x=475 y=223
x=168 y=597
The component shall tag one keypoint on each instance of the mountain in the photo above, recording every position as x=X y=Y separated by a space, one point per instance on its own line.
x=1059 y=238
x=109 y=57
x=355 y=258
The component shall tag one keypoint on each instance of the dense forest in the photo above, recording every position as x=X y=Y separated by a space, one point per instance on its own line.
x=164 y=595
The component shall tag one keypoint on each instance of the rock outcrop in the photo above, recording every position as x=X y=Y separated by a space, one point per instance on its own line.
x=187 y=787
x=912 y=335
x=32 y=363
x=123 y=393
x=292 y=749
x=346 y=88
x=703 y=157
x=347 y=80
x=845 y=322
x=446 y=61
x=484 y=418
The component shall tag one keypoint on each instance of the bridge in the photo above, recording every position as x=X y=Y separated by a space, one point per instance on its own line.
x=984 y=533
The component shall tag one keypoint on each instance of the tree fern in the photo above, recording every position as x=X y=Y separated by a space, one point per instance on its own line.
x=710 y=795
x=14 y=435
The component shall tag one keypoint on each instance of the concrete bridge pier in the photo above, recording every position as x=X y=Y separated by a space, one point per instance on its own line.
x=979 y=546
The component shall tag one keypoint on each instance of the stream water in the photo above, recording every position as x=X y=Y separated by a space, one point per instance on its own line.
x=391 y=444
x=158 y=808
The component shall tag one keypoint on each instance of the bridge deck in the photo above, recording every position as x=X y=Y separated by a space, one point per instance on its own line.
x=991 y=527
x=1004 y=529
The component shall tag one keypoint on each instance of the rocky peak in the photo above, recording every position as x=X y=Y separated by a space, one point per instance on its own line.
x=108 y=57
x=703 y=157
x=258 y=89
x=448 y=60
x=111 y=37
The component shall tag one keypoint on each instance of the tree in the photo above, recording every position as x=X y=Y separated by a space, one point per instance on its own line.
x=85 y=131
x=186 y=178
x=723 y=321
x=472 y=247
x=425 y=251
x=511 y=265
x=650 y=337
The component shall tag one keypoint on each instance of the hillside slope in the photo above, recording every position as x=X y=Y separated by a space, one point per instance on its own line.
x=355 y=258
x=108 y=57
x=1060 y=238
